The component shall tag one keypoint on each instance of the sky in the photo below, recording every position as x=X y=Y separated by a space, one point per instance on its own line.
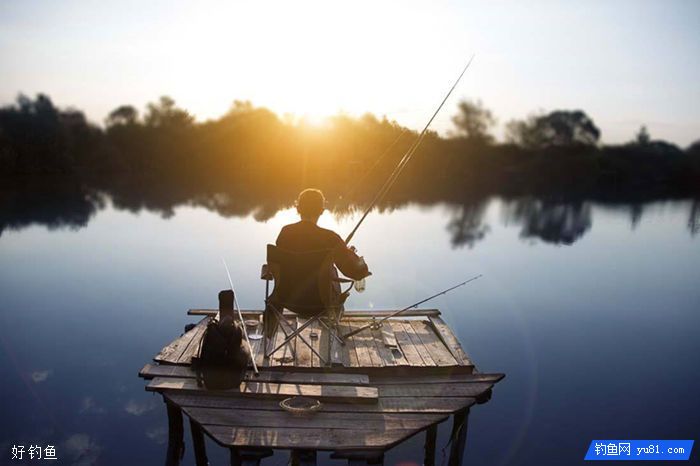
x=626 y=63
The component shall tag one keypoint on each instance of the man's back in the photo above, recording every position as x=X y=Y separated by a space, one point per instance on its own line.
x=305 y=236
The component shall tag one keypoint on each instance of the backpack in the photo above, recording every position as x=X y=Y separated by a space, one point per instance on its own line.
x=223 y=359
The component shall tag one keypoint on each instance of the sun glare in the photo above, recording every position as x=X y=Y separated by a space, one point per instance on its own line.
x=295 y=64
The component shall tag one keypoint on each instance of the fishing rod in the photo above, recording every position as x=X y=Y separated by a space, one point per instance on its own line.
x=374 y=165
x=378 y=323
x=240 y=316
x=405 y=159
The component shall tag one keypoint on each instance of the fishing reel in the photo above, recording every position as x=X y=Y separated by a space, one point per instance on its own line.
x=376 y=324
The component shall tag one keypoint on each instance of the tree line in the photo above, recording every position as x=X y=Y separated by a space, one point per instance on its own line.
x=252 y=150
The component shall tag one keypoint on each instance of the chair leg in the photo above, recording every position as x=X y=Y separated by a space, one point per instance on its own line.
x=296 y=333
x=281 y=322
x=332 y=329
x=286 y=341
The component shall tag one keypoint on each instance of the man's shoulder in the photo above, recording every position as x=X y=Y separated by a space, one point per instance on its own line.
x=332 y=235
x=323 y=237
x=291 y=227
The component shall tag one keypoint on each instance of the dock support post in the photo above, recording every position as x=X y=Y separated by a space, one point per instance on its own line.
x=248 y=456
x=458 y=437
x=430 y=441
x=198 y=445
x=303 y=458
x=176 y=442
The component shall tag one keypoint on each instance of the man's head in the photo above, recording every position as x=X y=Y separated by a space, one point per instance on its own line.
x=310 y=204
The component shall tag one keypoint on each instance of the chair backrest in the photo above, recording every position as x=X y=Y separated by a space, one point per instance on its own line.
x=303 y=280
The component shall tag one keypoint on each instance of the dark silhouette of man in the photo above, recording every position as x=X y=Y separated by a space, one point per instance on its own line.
x=305 y=236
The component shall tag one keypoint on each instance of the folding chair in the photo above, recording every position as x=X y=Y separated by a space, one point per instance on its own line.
x=304 y=284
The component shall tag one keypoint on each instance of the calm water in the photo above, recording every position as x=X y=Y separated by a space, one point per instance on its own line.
x=591 y=311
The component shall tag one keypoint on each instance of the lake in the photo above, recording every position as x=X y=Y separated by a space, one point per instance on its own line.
x=591 y=310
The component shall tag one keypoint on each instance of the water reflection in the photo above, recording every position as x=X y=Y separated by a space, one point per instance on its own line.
x=551 y=221
x=466 y=224
x=117 y=291
x=694 y=218
x=72 y=205
x=62 y=205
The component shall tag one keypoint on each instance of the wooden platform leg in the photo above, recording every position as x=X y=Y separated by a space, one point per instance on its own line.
x=303 y=458
x=248 y=456
x=200 y=450
x=430 y=441
x=458 y=438
x=176 y=443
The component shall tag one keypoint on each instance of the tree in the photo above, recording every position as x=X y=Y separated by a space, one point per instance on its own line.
x=694 y=149
x=474 y=121
x=123 y=115
x=642 y=138
x=557 y=129
x=164 y=113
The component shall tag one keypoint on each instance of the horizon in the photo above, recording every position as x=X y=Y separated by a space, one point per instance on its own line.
x=629 y=67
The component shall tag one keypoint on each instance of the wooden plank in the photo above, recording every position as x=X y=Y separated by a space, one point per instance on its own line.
x=418 y=344
x=406 y=347
x=344 y=393
x=254 y=313
x=449 y=340
x=193 y=346
x=384 y=352
x=315 y=329
x=303 y=356
x=337 y=351
x=432 y=344
x=348 y=355
x=384 y=405
x=312 y=439
x=150 y=371
x=325 y=420
x=436 y=379
x=324 y=344
x=285 y=355
x=399 y=358
x=341 y=393
x=366 y=338
x=461 y=390
x=363 y=357
x=388 y=336
x=172 y=352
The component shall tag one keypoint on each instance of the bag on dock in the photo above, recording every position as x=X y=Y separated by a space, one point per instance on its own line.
x=222 y=358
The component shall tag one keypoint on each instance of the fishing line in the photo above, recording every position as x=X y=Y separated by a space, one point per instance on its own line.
x=240 y=316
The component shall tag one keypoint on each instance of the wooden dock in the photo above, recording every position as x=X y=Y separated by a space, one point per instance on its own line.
x=382 y=387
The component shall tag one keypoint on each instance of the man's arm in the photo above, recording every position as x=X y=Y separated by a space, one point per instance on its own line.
x=349 y=263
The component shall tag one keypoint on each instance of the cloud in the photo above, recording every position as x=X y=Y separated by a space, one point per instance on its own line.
x=138 y=408
x=88 y=405
x=82 y=449
x=40 y=376
x=158 y=434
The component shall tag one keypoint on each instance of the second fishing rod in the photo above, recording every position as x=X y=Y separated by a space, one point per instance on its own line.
x=375 y=324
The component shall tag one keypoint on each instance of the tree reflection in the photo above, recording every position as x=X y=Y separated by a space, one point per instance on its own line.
x=64 y=205
x=466 y=224
x=551 y=221
x=694 y=218
x=72 y=205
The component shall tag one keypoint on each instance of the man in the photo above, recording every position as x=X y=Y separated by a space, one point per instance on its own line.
x=305 y=236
